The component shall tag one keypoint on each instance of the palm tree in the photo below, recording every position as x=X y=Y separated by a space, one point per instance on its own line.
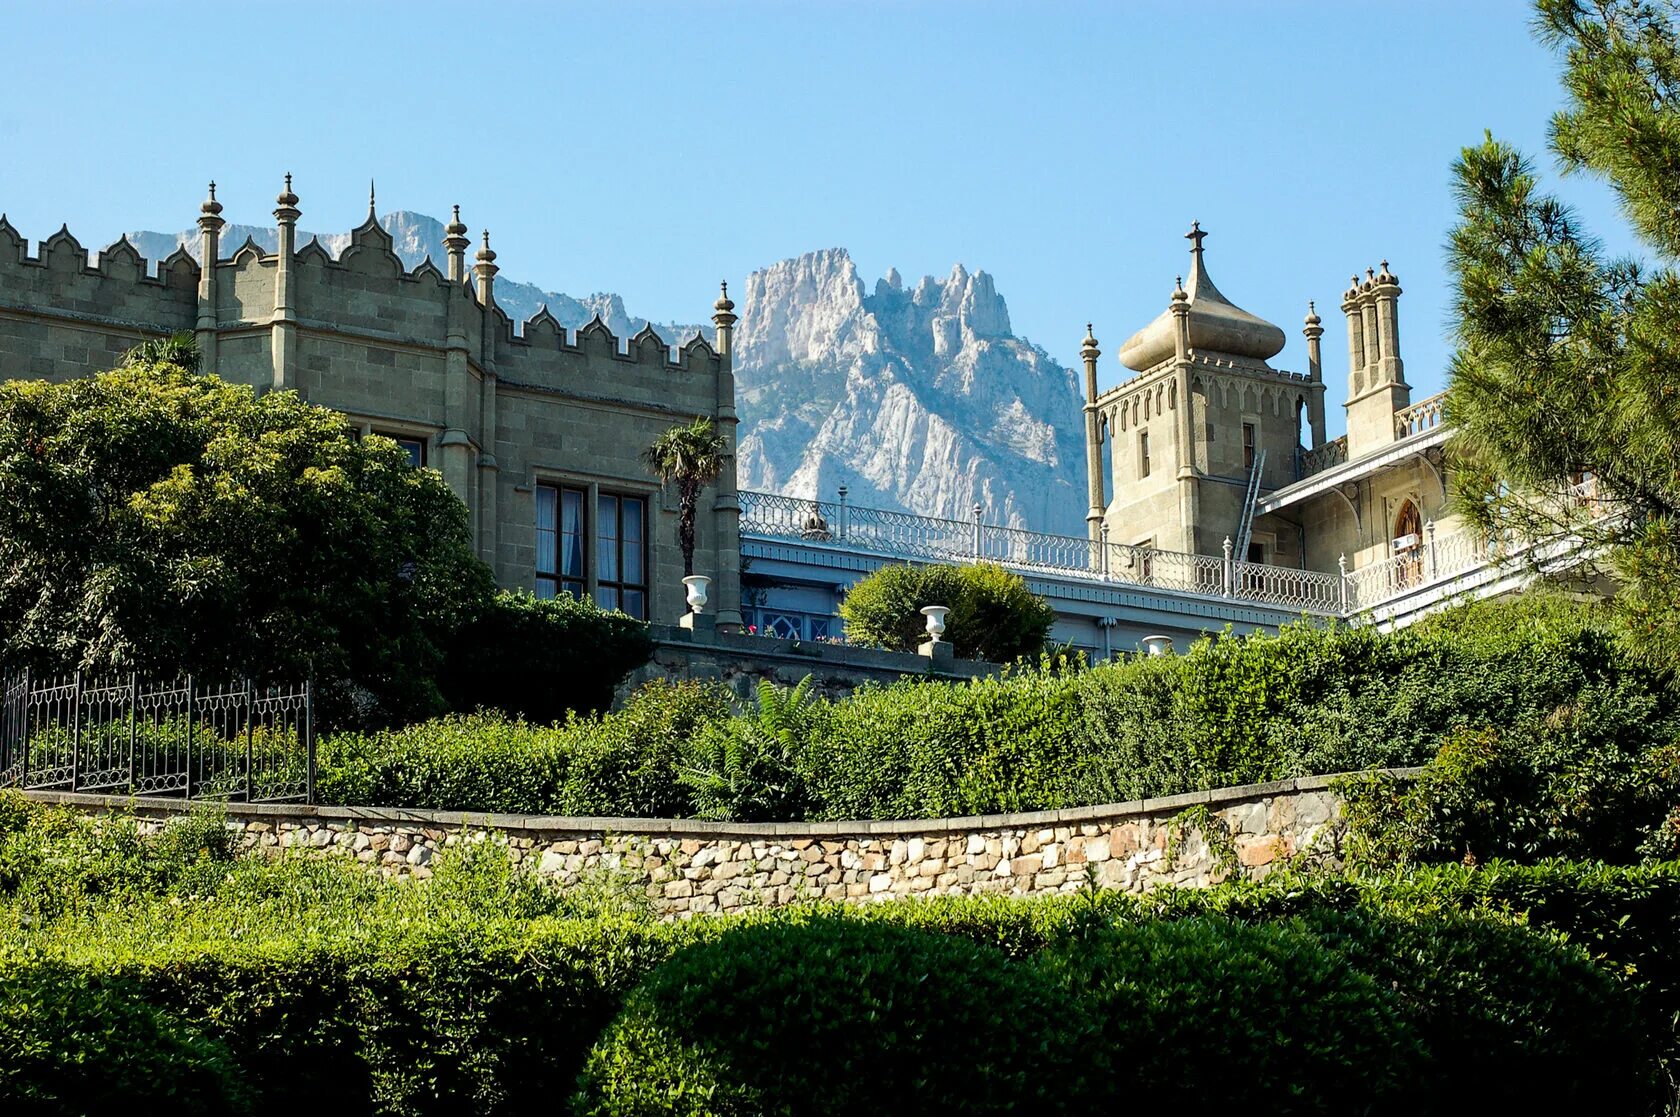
x=180 y=350
x=689 y=457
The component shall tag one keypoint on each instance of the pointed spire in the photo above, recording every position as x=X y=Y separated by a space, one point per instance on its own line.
x=371 y=214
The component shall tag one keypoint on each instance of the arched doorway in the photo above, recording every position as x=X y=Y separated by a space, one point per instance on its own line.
x=1408 y=545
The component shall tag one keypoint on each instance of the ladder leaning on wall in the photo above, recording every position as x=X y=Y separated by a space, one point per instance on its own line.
x=1245 y=527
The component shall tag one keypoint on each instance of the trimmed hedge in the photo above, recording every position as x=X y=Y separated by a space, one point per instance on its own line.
x=837 y=1016
x=1210 y=1013
x=1229 y=711
x=486 y=989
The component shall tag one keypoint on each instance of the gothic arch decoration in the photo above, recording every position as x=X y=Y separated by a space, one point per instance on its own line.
x=1407 y=544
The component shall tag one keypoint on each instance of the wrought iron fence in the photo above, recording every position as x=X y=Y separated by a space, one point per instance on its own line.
x=179 y=739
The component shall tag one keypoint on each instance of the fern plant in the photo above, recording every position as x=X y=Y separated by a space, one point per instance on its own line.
x=749 y=769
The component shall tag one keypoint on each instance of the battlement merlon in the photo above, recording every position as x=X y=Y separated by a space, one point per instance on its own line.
x=121 y=289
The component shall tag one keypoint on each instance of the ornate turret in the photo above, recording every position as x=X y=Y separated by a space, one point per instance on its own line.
x=210 y=250
x=282 y=340
x=486 y=270
x=1089 y=353
x=1214 y=323
x=1313 y=329
x=455 y=244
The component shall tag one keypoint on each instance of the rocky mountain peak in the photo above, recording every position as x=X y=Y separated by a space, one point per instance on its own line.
x=918 y=399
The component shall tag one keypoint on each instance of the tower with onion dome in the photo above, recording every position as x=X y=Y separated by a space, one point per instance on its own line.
x=1203 y=424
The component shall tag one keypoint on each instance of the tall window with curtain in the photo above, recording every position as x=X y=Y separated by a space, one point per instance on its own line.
x=560 y=541
x=621 y=554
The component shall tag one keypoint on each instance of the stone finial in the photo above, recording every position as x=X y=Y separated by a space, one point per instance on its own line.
x=1180 y=296
x=211 y=206
x=1312 y=319
x=371 y=214
x=486 y=255
x=456 y=228
x=1088 y=349
x=723 y=315
x=1195 y=236
x=286 y=198
x=1386 y=277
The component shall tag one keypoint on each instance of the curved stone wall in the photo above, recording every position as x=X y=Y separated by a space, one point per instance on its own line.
x=687 y=867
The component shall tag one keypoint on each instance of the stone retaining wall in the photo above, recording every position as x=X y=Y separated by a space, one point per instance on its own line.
x=686 y=867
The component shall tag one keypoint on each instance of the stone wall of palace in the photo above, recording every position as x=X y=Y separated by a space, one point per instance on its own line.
x=686 y=867
x=410 y=353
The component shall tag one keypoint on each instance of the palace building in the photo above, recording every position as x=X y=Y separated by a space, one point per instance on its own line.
x=1211 y=447
x=538 y=430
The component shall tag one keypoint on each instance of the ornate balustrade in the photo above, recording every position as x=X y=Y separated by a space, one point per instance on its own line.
x=1330 y=454
x=1425 y=415
x=1433 y=559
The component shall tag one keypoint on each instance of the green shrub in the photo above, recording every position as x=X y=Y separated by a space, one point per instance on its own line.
x=1277 y=1021
x=71 y=1045
x=1586 y=765
x=620 y=763
x=837 y=1016
x=993 y=615
x=1511 y=1017
x=463 y=762
x=750 y=768
x=1583 y=783
x=540 y=660
x=625 y=763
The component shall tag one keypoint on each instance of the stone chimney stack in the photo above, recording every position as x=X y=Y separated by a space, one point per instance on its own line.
x=1377 y=388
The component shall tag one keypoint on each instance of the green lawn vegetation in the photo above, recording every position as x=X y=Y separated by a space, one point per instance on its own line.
x=1536 y=696
x=165 y=973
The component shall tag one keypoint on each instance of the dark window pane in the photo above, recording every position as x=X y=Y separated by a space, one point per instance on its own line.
x=606 y=548
x=635 y=603
x=607 y=598
x=545 y=588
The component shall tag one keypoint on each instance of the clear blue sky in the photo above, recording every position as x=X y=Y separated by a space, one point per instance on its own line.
x=652 y=149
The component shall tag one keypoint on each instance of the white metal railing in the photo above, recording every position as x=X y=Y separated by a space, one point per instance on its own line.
x=1432 y=559
x=902 y=535
x=1424 y=415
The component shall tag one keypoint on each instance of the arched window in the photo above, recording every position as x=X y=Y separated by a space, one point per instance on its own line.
x=1408 y=545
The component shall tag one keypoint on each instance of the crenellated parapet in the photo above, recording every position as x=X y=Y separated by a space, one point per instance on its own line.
x=511 y=414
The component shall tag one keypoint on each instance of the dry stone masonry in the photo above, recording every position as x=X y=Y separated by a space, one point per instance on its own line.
x=687 y=867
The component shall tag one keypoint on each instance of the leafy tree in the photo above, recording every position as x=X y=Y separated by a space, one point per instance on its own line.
x=157 y=520
x=689 y=457
x=1568 y=360
x=994 y=615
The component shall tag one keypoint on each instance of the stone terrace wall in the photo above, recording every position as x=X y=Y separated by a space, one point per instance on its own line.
x=743 y=661
x=688 y=867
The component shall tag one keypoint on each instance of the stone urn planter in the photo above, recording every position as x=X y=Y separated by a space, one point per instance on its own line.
x=697 y=584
